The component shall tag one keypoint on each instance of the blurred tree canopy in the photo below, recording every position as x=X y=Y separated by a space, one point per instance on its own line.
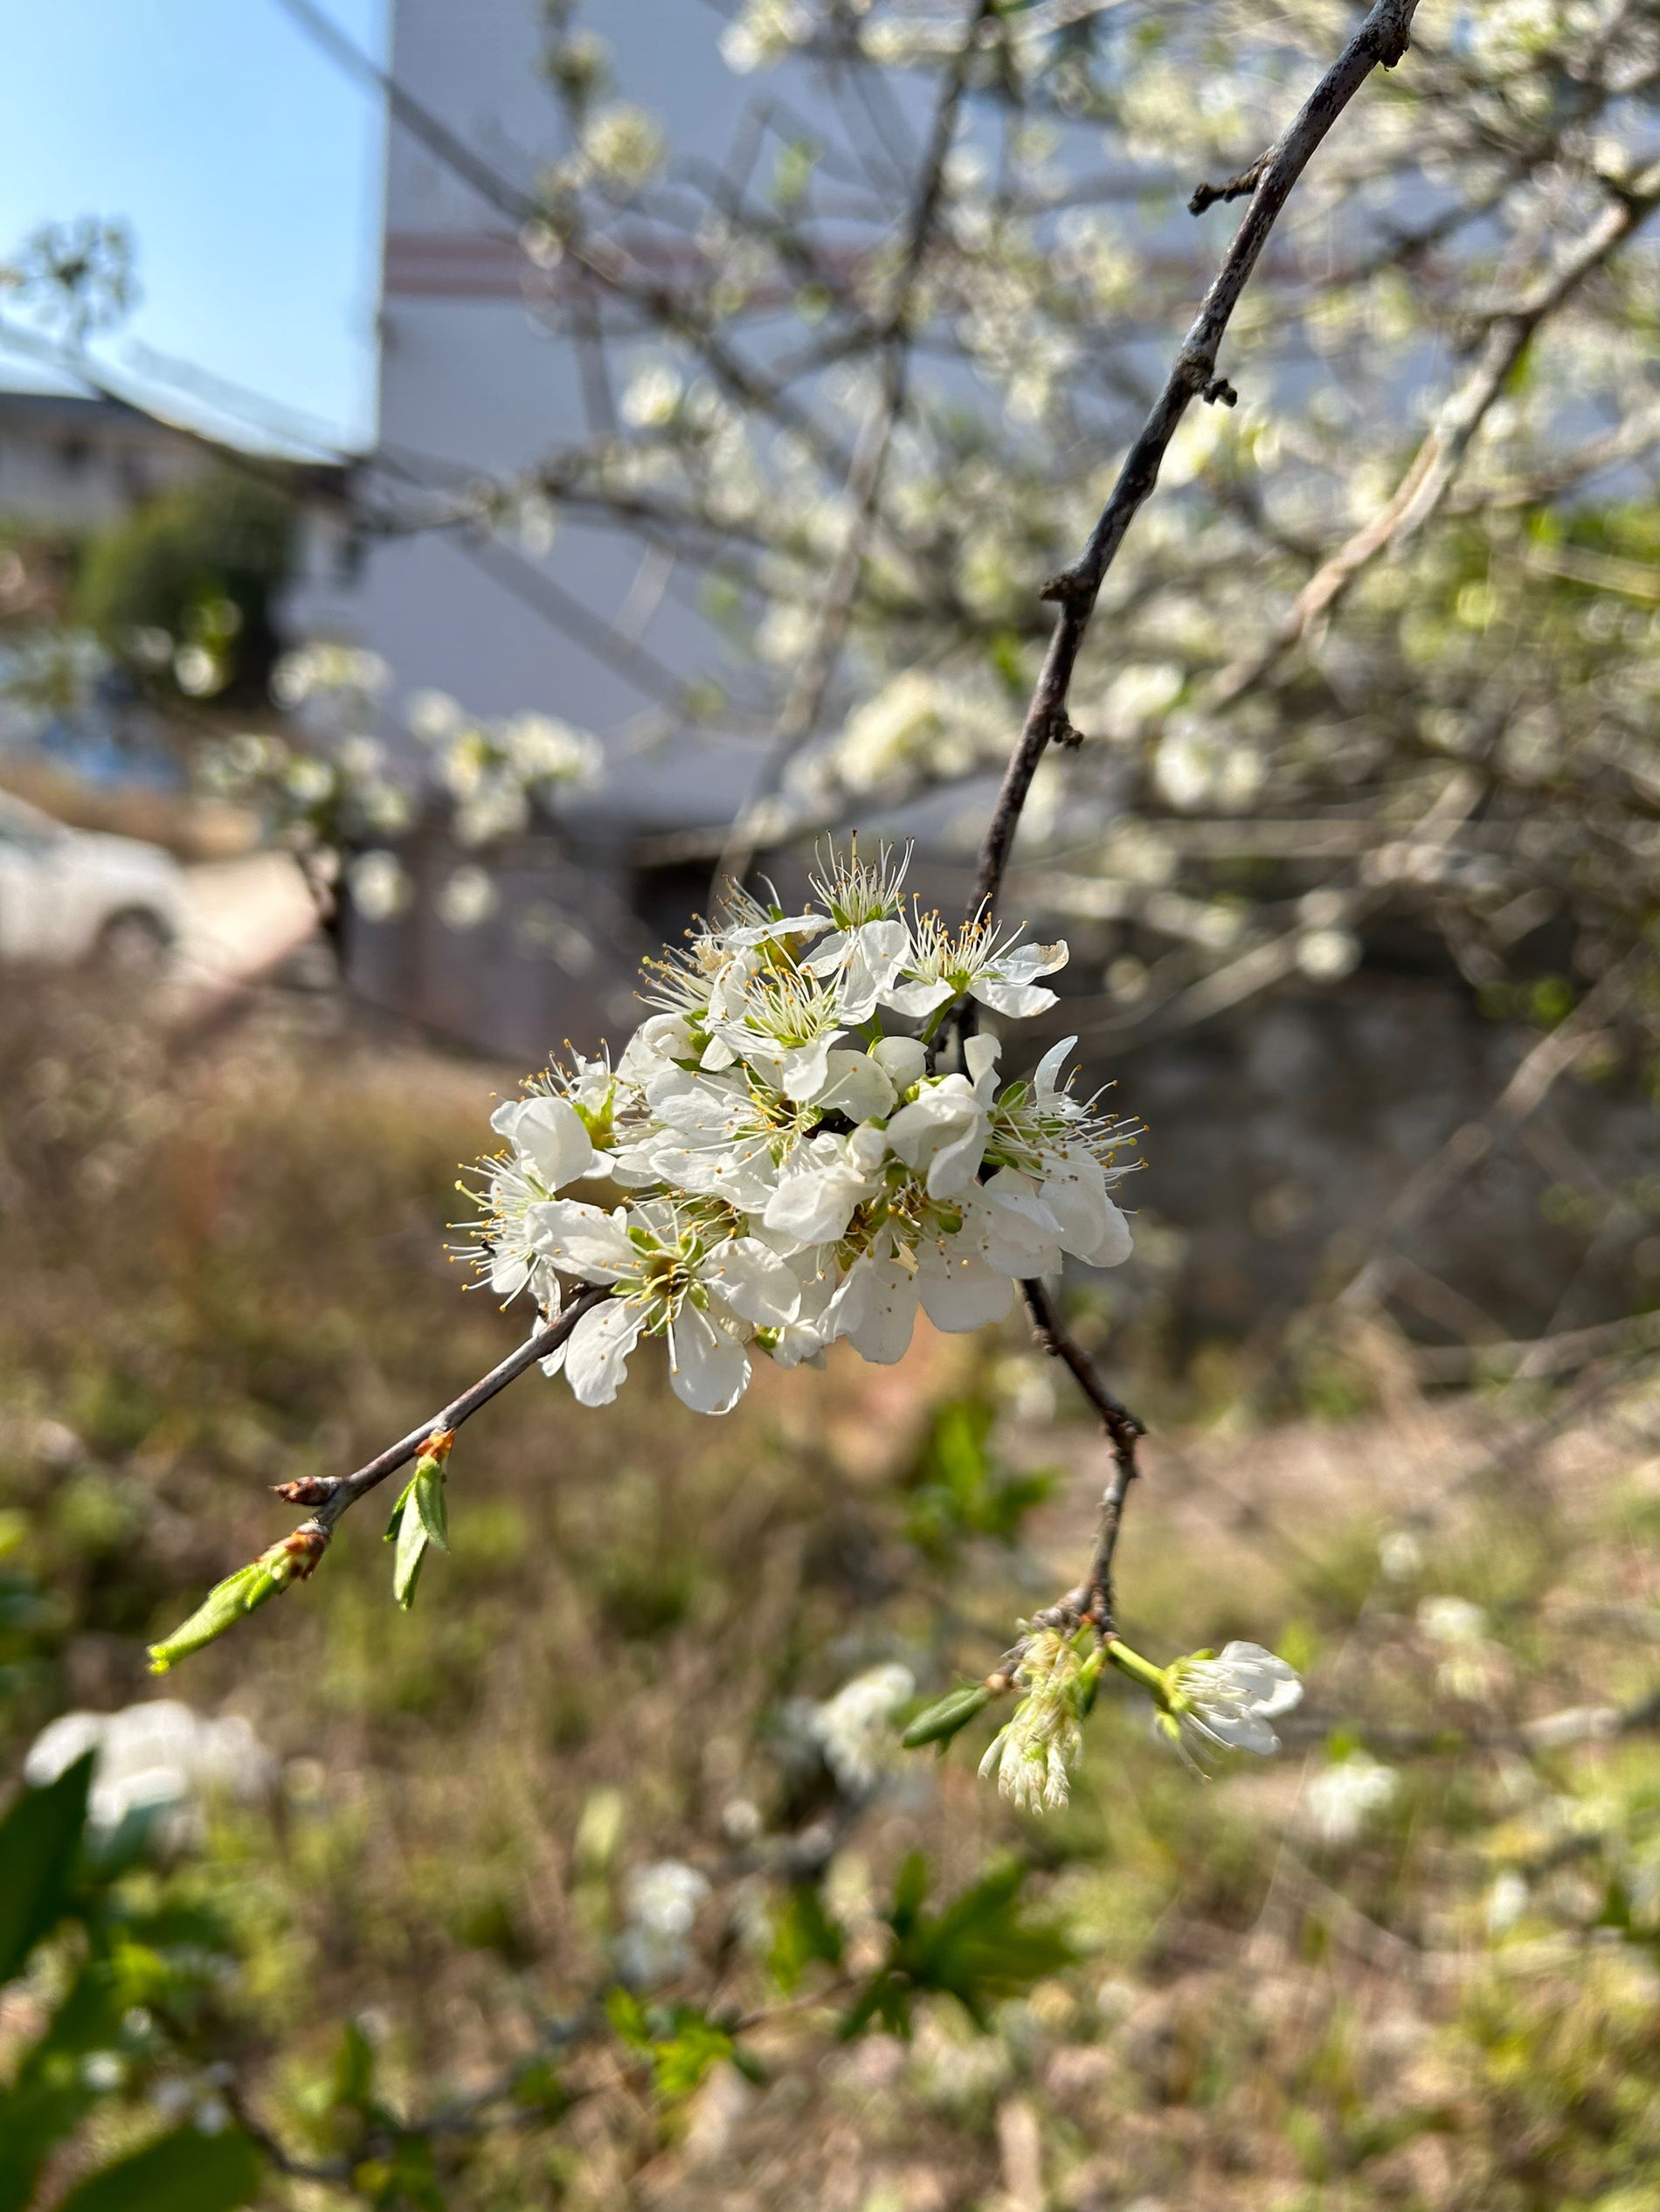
x=180 y=592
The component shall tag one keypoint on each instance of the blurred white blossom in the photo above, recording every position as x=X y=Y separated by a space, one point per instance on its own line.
x=159 y=1758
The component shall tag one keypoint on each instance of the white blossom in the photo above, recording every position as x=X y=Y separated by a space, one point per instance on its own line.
x=1226 y=1703
x=854 y=1729
x=981 y=960
x=767 y=1170
x=158 y=1759
x=662 y=1902
x=1341 y=1799
x=1033 y=1754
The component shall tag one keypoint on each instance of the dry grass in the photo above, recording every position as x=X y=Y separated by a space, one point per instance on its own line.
x=225 y=1274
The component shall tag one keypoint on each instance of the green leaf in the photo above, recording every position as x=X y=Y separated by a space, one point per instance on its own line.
x=980 y=1950
x=186 y=2171
x=628 y=2016
x=803 y=1935
x=224 y=1606
x=411 y=1550
x=429 y=1499
x=39 y=1841
x=942 y=1720
x=419 y=1519
x=245 y=1592
x=680 y=2059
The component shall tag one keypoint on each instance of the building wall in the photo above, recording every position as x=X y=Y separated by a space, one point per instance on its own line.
x=76 y=464
x=474 y=385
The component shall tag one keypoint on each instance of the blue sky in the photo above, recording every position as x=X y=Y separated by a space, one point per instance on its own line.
x=247 y=167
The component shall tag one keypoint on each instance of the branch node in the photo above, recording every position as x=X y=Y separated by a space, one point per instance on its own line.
x=1065 y=586
x=1235 y=189
x=308 y=1490
x=1219 y=388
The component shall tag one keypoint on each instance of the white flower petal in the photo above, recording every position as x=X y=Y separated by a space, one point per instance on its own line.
x=979 y=1057
x=856 y=1086
x=803 y=1068
x=1092 y=1228
x=918 y=1001
x=815 y=1199
x=708 y=1370
x=1019 y=1001
x=584 y=1240
x=551 y=1134
x=904 y=1059
x=875 y=1310
x=753 y=1280
x=960 y=1292
x=597 y=1350
x=1046 y=1078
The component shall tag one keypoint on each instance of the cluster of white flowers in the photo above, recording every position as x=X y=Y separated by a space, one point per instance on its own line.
x=497 y=771
x=1033 y=1754
x=786 y=1168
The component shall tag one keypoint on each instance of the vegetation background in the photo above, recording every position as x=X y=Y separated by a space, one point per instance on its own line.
x=601 y=1878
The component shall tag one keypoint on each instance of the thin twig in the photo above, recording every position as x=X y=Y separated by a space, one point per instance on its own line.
x=1092 y=1599
x=333 y=1494
x=1383 y=38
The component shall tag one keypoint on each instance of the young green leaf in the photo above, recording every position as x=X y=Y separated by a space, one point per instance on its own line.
x=942 y=1720
x=419 y=1519
x=243 y=1593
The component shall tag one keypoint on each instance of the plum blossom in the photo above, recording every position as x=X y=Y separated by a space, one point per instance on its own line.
x=1033 y=1753
x=1225 y=1701
x=982 y=960
x=771 y=1167
x=669 y=1281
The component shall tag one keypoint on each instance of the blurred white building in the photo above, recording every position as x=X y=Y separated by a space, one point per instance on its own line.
x=474 y=385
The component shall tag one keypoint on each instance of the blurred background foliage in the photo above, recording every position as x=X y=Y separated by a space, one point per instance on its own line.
x=592 y=1882
x=601 y=1880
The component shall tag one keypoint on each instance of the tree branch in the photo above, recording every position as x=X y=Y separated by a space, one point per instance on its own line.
x=1383 y=38
x=332 y=1494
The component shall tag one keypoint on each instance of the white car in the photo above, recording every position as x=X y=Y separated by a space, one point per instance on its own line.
x=68 y=896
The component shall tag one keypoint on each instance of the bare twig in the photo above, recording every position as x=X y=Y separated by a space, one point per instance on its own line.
x=332 y=1494
x=1383 y=38
x=1092 y=1599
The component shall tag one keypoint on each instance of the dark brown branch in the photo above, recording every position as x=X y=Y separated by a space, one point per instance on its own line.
x=333 y=1494
x=1383 y=38
x=1092 y=1599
